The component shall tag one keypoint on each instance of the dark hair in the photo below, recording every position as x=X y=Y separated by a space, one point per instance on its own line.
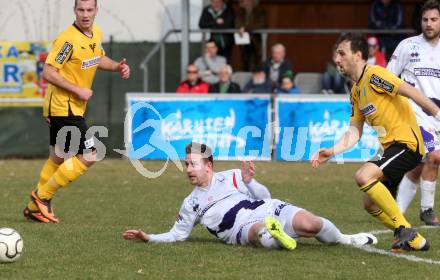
x=289 y=74
x=358 y=43
x=96 y=2
x=211 y=41
x=201 y=149
x=430 y=5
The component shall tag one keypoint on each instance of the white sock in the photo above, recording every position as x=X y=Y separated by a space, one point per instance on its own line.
x=427 y=192
x=267 y=240
x=329 y=233
x=407 y=191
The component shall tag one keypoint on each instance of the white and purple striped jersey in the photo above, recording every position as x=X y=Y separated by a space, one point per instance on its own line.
x=417 y=62
x=223 y=208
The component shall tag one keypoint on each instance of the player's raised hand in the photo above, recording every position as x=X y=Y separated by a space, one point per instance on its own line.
x=321 y=156
x=134 y=234
x=84 y=93
x=247 y=171
x=124 y=69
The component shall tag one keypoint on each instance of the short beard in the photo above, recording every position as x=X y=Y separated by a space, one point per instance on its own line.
x=429 y=38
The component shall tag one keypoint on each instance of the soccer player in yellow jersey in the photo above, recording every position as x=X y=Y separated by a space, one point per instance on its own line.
x=379 y=98
x=70 y=68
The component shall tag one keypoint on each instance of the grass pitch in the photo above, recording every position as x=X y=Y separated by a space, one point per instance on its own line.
x=112 y=197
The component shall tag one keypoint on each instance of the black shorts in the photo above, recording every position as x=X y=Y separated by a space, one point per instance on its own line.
x=396 y=160
x=73 y=137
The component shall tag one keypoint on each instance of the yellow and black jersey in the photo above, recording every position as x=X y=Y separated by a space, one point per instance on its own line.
x=375 y=100
x=76 y=56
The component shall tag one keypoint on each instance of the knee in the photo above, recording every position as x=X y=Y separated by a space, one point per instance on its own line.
x=314 y=226
x=434 y=158
x=253 y=233
x=88 y=159
x=362 y=178
x=309 y=226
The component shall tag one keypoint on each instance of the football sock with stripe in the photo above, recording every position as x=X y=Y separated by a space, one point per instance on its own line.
x=49 y=168
x=67 y=172
x=382 y=197
x=383 y=218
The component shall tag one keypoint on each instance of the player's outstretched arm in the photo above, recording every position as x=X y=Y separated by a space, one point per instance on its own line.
x=136 y=235
x=420 y=99
x=347 y=141
x=109 y=64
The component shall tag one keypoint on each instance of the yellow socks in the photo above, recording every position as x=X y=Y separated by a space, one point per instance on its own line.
x=67 y=172
x=382 y=197
x=383 y=218
x=47 y=171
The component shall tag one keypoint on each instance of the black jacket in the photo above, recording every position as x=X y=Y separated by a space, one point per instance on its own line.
x=208 y=19
x=233 y=88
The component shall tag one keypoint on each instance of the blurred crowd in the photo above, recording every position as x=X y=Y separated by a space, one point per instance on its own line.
x=212 y=71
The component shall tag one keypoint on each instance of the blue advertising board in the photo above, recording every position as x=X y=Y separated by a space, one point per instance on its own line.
x=306 y=124
x=234 y=126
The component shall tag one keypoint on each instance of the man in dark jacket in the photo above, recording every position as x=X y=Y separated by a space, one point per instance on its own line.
x=250 y=16
x=277 y=66
x=386 y=14
x=259 y=83
x=218 y=15
x=225 y=85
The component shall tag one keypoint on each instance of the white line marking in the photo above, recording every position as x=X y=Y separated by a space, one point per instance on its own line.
x=382 y=231
x=405 y=256
x=397 y=255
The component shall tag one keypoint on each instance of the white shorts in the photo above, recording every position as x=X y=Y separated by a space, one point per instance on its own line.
x=282 y=211
x=430 y=129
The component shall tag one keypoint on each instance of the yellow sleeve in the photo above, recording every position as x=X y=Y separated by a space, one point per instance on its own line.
x=356 y=114
x=98 y=31
x=383 y=81
x=61 y=52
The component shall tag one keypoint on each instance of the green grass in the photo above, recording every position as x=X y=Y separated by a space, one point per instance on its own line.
x=112 y=197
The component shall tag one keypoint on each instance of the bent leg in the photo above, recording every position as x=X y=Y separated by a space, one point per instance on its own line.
x=377 y=213
x=367 y=178
x=427 y=189
x=429 y=177
x=259 y=236
x=49 y=168
x=306 y=224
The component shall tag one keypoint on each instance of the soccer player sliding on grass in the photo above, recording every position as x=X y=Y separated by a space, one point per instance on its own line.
x=378 y=97
x=237 y=209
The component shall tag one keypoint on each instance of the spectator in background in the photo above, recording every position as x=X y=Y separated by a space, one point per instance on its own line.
x=332 y=80
x=375 y=56
x=225 y=85
x=276 y=66
x=218 y=15
x=287 y=84
x=417 y=17
x=192 y=84
x=250 y=16
x=386 y=14
x=209 y=64
x=259 y=83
